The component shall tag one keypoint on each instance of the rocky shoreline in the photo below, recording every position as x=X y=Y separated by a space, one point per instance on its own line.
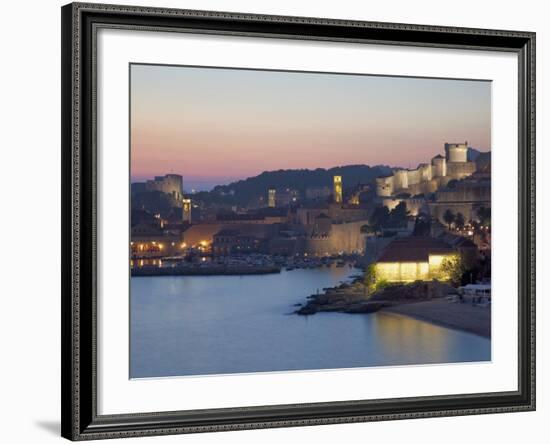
x=425 y=301
x=354 y=298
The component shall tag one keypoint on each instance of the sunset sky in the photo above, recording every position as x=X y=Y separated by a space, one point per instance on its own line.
x=214 y=125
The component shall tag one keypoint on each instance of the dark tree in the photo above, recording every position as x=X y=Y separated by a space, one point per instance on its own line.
x=398 y=215
x=422 y=225
x=484 y=215
x=459 y=220
x=379 y=218
x=449 y=217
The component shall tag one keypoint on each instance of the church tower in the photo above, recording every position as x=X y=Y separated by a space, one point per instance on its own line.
x=271 y=198
x=186 y=210
x=338 y=189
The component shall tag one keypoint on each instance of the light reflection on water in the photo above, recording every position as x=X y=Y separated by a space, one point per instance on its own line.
x=197 y=325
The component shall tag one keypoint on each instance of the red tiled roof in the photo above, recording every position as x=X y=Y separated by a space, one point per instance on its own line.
x=413 y=249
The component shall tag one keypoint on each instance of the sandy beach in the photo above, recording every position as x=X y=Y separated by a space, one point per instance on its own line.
x=460 y=316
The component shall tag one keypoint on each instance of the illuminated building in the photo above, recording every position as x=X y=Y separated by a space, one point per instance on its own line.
x=228 y=241
x=414 y=258
x=200 y=235
x=338 y=189
x=186 y=210
x=171 y=184
x=271 y=196
x=426 y=178
x=324 y=237
x=466 y=197
x=354 y=199
x=148 y=247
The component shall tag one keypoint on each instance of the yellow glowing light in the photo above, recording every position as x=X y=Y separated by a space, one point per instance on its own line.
x=183 y=245
x=204 y=243
x=271 y=202
x=161 y=246
x=436 y=260
x=337 y=186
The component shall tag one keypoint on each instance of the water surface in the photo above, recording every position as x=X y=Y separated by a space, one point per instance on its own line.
x=199 y=325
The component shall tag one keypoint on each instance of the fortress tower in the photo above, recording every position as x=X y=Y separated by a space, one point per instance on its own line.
x=439 y=164
x=457 y=152
x=338 y=189
x=458 y=166
x=426 y=172
x=401 y=181
x=170 y=184
x=186 y=210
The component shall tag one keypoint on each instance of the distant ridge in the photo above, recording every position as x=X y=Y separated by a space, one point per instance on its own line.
x=244 y=191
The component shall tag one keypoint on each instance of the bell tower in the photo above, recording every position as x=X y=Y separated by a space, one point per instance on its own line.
x=337 y=189
x=186 y=210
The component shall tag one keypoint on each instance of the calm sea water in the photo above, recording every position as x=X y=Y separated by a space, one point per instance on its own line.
x=199 y=325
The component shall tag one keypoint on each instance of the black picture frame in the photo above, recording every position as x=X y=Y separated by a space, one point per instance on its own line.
x=80 y=420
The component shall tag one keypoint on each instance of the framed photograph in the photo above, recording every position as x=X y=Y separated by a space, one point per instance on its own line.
x=278 y=221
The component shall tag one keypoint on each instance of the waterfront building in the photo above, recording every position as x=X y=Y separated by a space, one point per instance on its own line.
x=156 y=246
x=414 y=258
x=229 y=241
x=203 y=234
x=287 y=243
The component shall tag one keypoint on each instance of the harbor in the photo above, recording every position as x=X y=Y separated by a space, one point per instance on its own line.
x=207 y=265
x=198 y=325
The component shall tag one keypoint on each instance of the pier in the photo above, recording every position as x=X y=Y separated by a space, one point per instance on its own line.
x=211 y=270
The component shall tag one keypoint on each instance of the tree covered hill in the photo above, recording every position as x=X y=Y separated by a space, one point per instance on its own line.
x=244 y=191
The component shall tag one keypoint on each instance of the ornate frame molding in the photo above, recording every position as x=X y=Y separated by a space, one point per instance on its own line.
x=79 y=395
